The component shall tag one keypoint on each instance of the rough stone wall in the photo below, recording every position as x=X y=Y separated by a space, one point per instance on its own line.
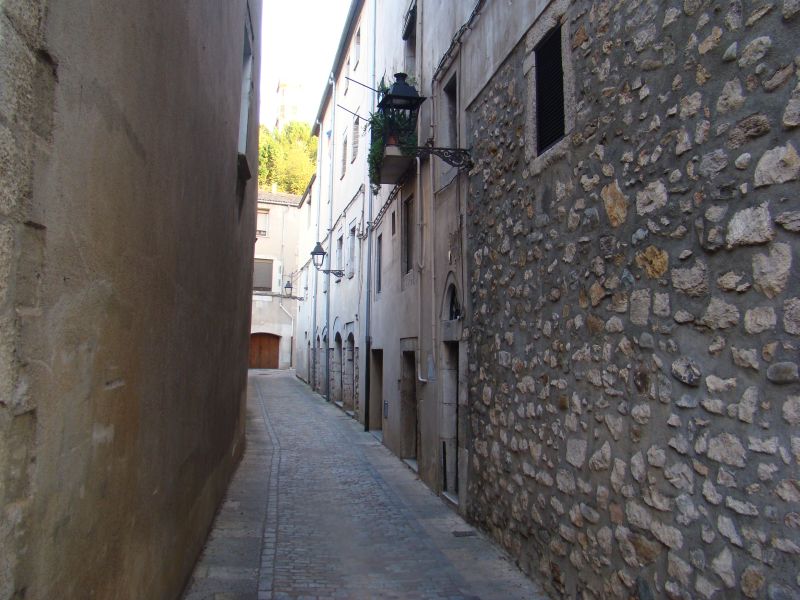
x=633 y=370
x=27 y=80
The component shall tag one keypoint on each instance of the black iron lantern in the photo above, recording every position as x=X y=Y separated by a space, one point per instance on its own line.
x=400 y=107
x=288 y=287
x=318 y=255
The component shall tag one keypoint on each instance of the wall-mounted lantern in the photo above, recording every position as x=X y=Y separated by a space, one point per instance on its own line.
x=318 y=257
x=394 y=135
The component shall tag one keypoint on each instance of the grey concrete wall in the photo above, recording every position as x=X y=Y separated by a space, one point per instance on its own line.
x=633 y=338
x=126 y=272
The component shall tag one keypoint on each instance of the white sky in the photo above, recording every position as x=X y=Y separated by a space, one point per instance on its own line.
x=299 y=41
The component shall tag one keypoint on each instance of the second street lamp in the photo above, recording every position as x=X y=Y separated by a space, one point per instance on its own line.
x=318 y=257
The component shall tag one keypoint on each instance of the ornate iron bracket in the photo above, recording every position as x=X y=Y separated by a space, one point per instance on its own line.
x=455 y=157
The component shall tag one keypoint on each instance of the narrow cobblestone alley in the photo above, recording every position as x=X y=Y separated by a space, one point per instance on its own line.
x=320 y=509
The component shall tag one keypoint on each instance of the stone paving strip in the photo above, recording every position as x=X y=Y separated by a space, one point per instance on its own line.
x=320 y=509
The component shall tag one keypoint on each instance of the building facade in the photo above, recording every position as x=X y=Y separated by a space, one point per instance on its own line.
x=127 y=220
x=587 y=342
x=272 y=326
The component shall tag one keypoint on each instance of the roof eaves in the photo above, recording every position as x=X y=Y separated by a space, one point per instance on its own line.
x=341 y=53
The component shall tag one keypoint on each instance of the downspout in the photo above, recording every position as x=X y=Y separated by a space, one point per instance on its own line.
x=316 y=272
x=432 y=237
x=368 y=306
x=332 y=83
x=420 y=225
x=420 y=268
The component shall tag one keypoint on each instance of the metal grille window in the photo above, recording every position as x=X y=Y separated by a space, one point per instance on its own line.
x=549 y=90
x=262 y=275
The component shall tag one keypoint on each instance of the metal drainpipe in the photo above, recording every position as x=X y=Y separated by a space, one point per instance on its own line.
x=313 y=374
x=420 y=268
x=368 y=303
x=332 y=83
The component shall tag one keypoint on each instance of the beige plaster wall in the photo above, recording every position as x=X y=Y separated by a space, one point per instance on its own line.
x=125 y=275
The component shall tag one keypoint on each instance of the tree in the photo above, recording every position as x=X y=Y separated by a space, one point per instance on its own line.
x=286 y=157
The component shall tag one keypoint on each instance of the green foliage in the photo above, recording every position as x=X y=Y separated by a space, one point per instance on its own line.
x=286 y=157
x=393 y=128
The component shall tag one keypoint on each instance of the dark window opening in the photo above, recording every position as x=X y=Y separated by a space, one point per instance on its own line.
x=393 y=223
x=357 y=48
x=549 y=91
x=451 y=105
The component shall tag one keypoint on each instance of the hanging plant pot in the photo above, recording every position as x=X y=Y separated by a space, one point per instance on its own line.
x=393 y=143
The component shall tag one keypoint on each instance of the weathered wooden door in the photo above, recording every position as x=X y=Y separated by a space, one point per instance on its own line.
x=264 y=351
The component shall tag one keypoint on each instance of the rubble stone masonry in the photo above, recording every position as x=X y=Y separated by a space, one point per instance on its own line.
x=633 y=376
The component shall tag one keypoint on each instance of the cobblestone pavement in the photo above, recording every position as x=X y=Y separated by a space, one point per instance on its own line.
x=320 y=509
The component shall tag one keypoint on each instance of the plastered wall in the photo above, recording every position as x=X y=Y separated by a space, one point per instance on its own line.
x=125 y=282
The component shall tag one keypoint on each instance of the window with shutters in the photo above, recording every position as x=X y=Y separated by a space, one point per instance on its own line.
x=378 y=265
x=407 y=240
x=262 y=223
x=262 y=275
x=339 y=253
x=351 y=253
x=549 y=90
x=344 y=154
x=357 y=49
x=356 y=124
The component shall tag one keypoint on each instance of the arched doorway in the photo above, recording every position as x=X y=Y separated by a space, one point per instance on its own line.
x=309 y=374
x=319 y=368
x=264 y=350
x=349 y=375
x=336 y=369
x=451 y=367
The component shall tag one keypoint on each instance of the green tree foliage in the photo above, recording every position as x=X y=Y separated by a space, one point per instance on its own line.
x=286 y=157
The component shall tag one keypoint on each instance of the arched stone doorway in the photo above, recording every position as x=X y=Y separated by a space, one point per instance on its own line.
x=264 y=350
x=452 y=399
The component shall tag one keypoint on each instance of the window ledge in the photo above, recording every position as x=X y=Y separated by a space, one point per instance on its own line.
x=554 y=154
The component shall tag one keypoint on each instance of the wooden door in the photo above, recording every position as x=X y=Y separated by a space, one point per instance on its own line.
x=264 y=351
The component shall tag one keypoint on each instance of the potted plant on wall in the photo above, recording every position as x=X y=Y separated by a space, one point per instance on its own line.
x=394 y=124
